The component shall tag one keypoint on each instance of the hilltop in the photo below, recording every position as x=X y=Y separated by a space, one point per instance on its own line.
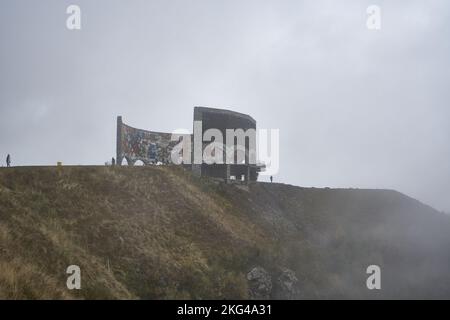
x=158 y=232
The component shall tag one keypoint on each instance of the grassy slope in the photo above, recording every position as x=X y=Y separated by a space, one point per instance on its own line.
x=158 y=232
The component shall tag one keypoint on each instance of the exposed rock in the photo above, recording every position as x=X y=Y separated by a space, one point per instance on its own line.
x=260 y=283
x=287 y=285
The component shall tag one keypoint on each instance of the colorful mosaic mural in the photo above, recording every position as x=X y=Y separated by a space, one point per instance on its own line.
x=156 y=147
x=147 y=146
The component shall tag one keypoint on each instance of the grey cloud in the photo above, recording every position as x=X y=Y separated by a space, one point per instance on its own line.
x=355 y=108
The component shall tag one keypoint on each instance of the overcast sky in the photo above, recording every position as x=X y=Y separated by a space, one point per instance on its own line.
x=355 y=107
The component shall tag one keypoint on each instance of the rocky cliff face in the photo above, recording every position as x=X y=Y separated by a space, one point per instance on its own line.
x=159 y=232
x=261 y=284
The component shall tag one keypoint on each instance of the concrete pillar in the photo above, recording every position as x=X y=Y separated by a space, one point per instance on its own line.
x=247 y=176
x=119 y=157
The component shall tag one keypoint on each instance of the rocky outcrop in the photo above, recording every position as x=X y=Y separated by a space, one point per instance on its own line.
x=287 y=285
x=260 y=283
x=261 y=286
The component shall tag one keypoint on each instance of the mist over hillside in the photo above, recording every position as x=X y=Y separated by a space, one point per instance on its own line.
x=159 y=232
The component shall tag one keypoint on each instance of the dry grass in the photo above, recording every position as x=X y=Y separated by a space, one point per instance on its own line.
x=159 y=233
x=135 y=232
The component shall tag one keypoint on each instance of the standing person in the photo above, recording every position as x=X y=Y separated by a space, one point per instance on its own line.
x=8 y=160
x=271 y=179
x=113 y=161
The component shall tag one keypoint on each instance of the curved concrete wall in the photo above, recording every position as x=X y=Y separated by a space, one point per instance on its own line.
x=147 y=146
x=151 y=147
x=222 y=120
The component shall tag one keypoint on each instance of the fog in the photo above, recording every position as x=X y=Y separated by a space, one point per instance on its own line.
x=355 y=107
